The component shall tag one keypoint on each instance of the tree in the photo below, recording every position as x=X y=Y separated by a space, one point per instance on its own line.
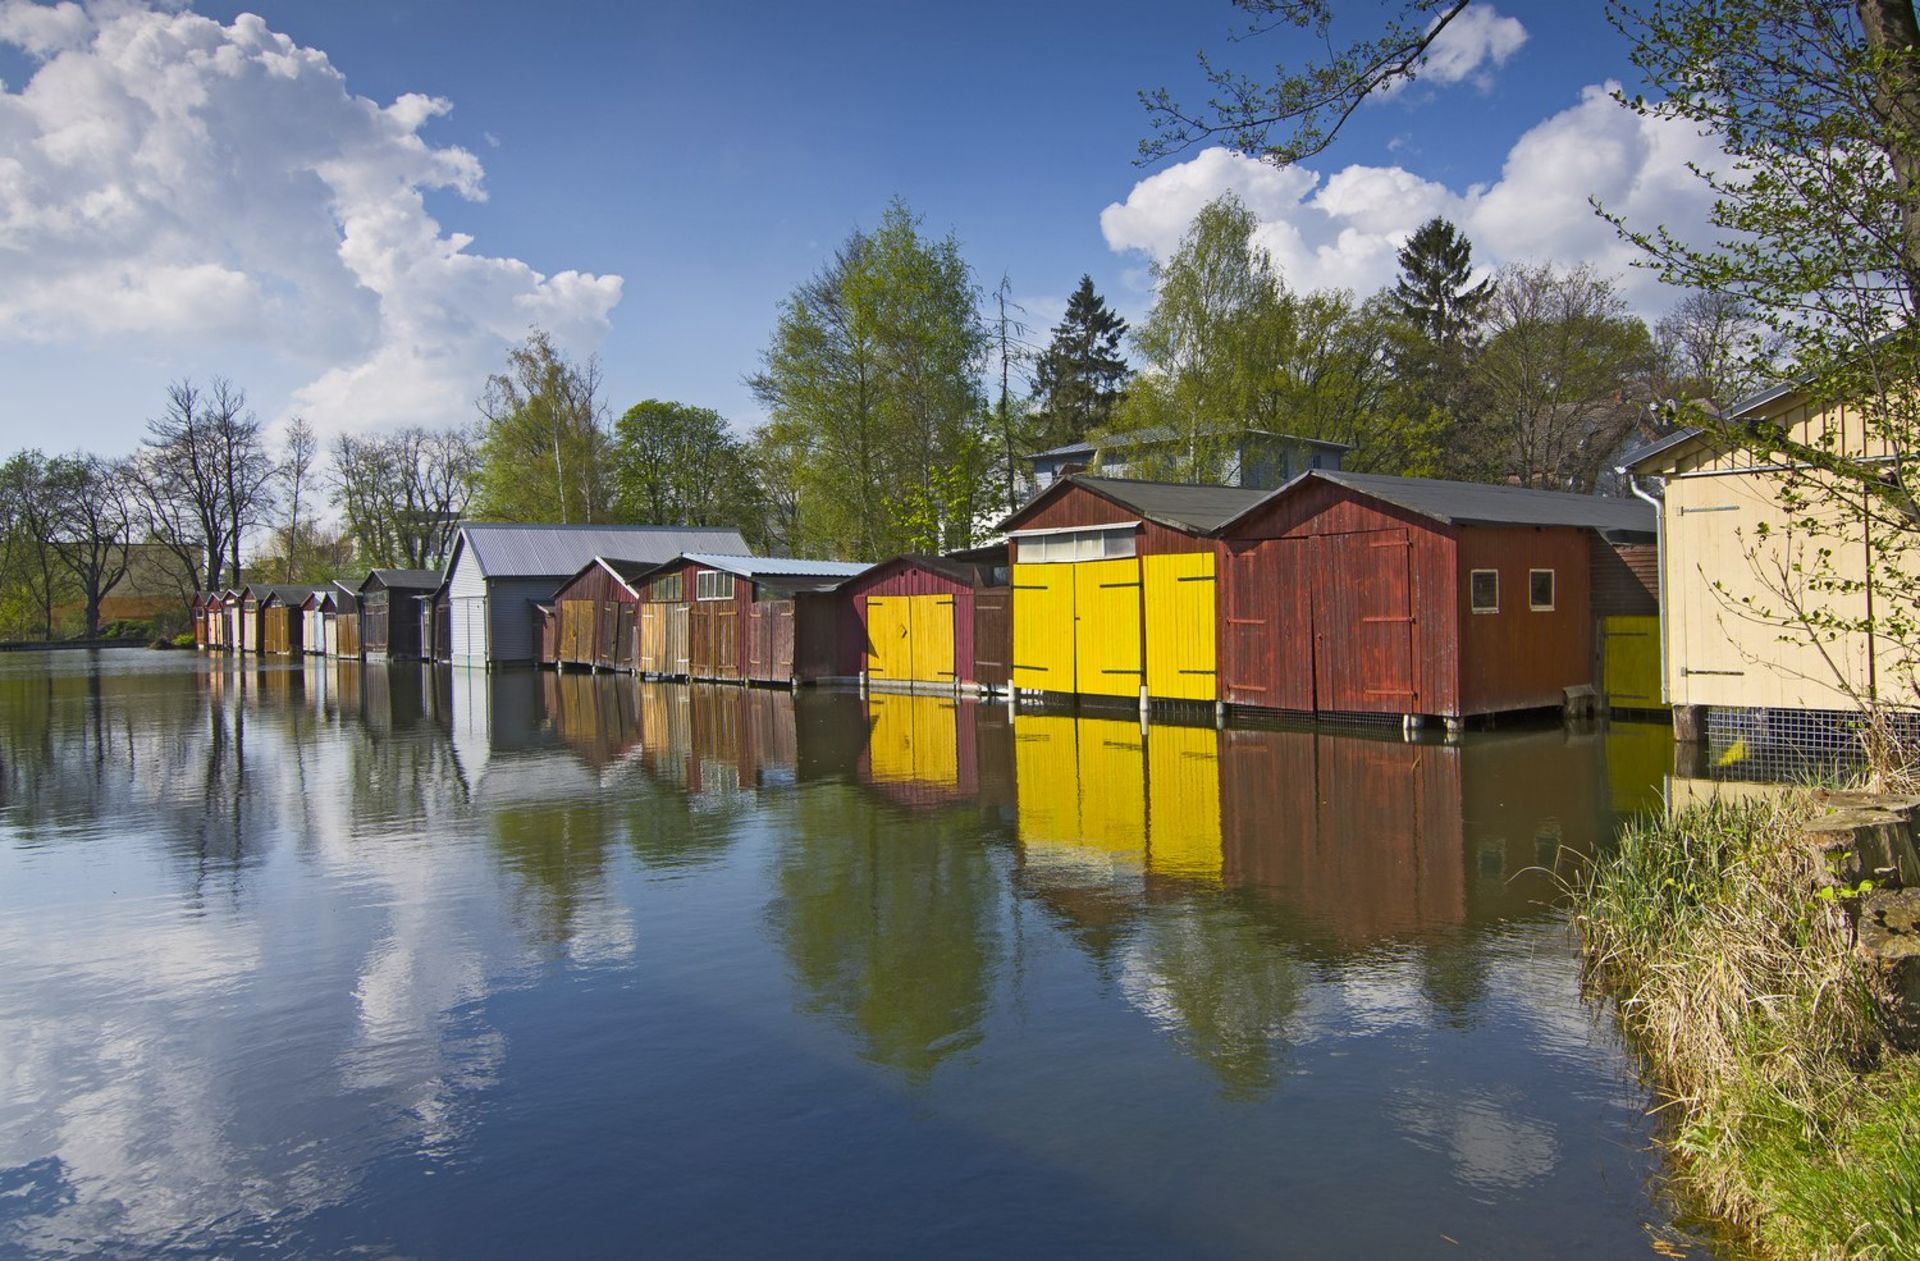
x=1081 y=376
x=1438 y=307
x=872 y=390
x=1563 y=371
x=404 y=494
x=1435 y=292
x=92 y=522
x=1218 y=327
x=675 y=464
x=297 y=469
x=1710 y=348
x=544 y=446
x=32 y=558
x=1308 y=106
x=1011 y=421
x=203 y=478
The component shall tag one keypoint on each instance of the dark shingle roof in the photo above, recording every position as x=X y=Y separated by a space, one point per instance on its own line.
x=1476 y=503
x=1179 y=505
x=405 y=579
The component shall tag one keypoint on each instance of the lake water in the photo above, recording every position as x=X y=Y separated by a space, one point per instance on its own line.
x=405 y=962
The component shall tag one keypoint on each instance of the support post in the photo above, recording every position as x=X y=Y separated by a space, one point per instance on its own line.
x=1690 y=724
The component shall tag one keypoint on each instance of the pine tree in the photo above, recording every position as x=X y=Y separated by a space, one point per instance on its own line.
x=1439 y=310
x=1081 y=375
x=1433 y=293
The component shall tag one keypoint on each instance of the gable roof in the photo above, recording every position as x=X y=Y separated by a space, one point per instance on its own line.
x=559 y=551
x=1476 y=503
x=1182 y=506
x=403 y=579
x=966 y=572
x=1148 y=436
x=286 y=593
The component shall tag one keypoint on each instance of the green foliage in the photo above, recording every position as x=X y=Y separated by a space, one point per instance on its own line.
x=674 y=464
x=543 y=452
x=1081 y=376
x=872 y=390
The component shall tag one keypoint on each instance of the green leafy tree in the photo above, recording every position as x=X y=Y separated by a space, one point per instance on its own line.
x=675 y=464
x=1219 y=324
x=873 y=395
x=544 y=445
x=35 y=578
x=1081 y=376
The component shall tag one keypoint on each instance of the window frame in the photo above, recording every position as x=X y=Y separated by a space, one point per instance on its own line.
x=720 y=582
x=1473 y=604
x=667 y=589
x=1553 y=592
x=1074 y=545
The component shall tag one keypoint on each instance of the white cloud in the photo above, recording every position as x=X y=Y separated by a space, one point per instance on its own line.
x=168 y=182
x=1344 y=230
x=1479 y=38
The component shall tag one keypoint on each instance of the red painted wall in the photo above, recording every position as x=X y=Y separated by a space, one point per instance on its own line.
x=1517 y=658
x=1078 y=506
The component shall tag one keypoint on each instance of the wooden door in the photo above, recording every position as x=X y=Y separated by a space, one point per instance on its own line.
x=625 y=636
x=1363 y=623
x=700 y=640
x=1267 y=639
x=1043 y=636
x=726 y=642
x=679 y=639
x=932 y=638
x=653 y=639
x=890 y=637
x=993 y=636
x=1178 y=591
x=1106 y=625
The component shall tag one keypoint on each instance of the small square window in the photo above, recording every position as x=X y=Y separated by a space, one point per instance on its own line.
x=1483 y=589
x=1119 y=543
x=1540 y=590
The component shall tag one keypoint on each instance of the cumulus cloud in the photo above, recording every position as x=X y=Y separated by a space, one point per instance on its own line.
x=1479 y=40
x=171 y=182
x=1344 y=229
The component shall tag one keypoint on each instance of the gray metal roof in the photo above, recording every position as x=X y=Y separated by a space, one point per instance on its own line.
x=1633 y=459
x=1158 y=434
x=559 y=551
x=756 y=568
x=1182 y=506
x=1476 y=503
x=404 y=579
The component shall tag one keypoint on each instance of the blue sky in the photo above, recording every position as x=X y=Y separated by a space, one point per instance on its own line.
x=706 y=155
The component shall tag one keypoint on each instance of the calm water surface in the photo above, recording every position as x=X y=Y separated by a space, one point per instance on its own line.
x=412 y=963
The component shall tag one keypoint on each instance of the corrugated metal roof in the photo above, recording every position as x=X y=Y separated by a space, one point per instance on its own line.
x=405 y=579
x=558 y=551
x=1476 y=503
x=1633 y=459
x=1180 y=505
x=756 y=568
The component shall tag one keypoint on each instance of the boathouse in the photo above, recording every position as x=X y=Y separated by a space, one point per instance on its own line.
x=497 y=573
x=343 y=634
x=390 y=612
x=749 y=618
x=935 y=622
x=230 y=620
x=1745 y=573
x=1359 y=593
x=281 y=619
x=592 y=622
x=197 y=611
x=313 y=620
x=1113 y=586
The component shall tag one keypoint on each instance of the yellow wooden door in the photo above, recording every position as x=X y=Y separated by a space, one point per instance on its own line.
x=1106 y=638
x=1178 y=594
x=1630 y=662
x=1043 y=636
x=1183 y=802
x=889 y=637
x=931 y=625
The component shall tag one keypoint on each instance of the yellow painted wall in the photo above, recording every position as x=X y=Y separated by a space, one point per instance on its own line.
x=1183 y=807
x=1179 y=599
x=1106 y=640
x=889 y=637
x=1729 y=590
x=932 y=638
x=1043 y=634
x=1630 y=662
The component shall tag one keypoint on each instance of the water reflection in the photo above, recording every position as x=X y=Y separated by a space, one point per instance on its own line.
x=277 y=943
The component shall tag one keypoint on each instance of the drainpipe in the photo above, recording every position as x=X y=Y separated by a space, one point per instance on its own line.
x=1660 y=563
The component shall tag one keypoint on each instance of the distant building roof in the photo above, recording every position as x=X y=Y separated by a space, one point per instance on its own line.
x=404 y=579
x=1477 y=503
x=1143 y=437
x=781 y=571
x=286 y=593
x=556 y=551
x=1632 y=460
x=1193 y=509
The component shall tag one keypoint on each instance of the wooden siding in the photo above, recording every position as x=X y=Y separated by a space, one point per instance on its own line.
x=1630 y=662
x=905 y=580
x=1521 y=658
x=1078 y=506
x=1626 y=578
x=993 y=636
x=828 y=641
x=389 y=623
x=1108 y=636
x=1178 y=592
x=769 y=641
x=279 y=630
x=1043 y=627
x=1354 y=611
x=597 y=621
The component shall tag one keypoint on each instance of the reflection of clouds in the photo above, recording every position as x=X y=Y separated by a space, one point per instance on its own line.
x=1492 y=1146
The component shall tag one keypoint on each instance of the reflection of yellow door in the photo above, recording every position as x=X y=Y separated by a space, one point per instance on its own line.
x=1080 y=785
x=932 y=638
x=889 y=637
x=1046 y=779
x=1043 y=637
x=1178 y=591
x=1106 y=607
x=1113 y=787
x=913 y=738
x=1183 y=807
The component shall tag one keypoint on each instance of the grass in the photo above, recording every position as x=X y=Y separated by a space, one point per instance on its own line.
x=1785 y=1112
